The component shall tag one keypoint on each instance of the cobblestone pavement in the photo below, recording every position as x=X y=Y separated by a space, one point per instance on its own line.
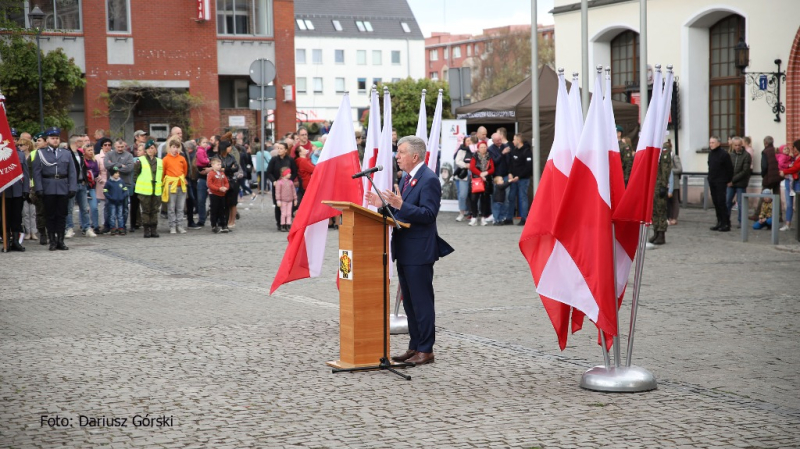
x=123 y=327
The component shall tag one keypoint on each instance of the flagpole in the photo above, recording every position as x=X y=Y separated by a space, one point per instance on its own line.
x=642 y=60
x=585 y=55
x=537 y=151
x=616 y=294
x=637 y=284
x=5 y=237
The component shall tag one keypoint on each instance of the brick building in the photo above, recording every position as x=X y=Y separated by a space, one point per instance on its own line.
x=202 y=47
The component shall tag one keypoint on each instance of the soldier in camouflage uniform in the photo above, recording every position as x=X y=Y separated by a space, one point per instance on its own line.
x=663 y=190
x=626 y=154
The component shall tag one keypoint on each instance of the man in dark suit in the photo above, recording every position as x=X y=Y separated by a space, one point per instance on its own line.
x=416 y=248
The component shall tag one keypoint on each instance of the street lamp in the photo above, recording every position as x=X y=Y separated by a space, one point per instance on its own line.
x=36 y=18
x=765 y=85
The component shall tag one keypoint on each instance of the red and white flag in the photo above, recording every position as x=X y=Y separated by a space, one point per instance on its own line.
x=422 y=120
x=10 y=168
x=576 y=107
x=580 y=269
x=332 y=181
x=432 y=155
x=373 y=137
x=637 y=203
x=537 y=240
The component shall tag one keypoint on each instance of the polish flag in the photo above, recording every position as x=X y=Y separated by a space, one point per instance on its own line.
x=432 y=155
x=373 y=137
x=576 y=106
x=384 y=179
x=332 y=181
x=422 y=121
x=580 y=270
x=637 y=203
x=537 y=240
x=10 y=165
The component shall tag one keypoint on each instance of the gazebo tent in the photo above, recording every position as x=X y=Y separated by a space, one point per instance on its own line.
x=515 y=105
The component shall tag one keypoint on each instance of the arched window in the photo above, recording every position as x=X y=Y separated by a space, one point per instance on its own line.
x=726 y=97
x=624 y=62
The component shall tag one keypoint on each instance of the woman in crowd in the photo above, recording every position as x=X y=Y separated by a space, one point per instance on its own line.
x=231 y=167
x=304 y=170
x=481 y=167
x=246 y=162
x=201 y=161
x=28 y=207
x=462 y=176
x=792 y=182
x=93 y=172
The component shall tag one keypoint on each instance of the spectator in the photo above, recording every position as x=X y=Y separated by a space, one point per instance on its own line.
x=673 y=204
x=174 y=185
x=302 y=141
x=741 y=177
x=304 y=171
x=230 y=166
x=720 y=173
x=191 y=183
x=792 y=181
x=102 y=148
x=462 y=178
x=499 y=153
x=481 y=167
x=770 y=177
x=287 y=197
x=262 y=162
x=174 y=132
x=276 y=165
x=519 y=176
x=202 y=161
x=76 y=150
x=246 y=163
x=28 y=207
x=92 y=173
x=748 y=146
x=123 y=160
x=217 y=188
x=115 y=193
x=765 y=216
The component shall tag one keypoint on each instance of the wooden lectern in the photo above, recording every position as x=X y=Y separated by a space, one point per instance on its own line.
x=362 y=332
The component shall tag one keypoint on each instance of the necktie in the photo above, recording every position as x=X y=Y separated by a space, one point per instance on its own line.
x=405 y=183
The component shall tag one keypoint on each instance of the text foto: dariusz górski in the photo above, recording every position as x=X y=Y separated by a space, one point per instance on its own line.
x=107 y=421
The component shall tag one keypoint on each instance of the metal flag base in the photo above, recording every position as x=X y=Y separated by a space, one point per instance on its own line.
x=650 y=246
x=398 y=324
x=620 y=379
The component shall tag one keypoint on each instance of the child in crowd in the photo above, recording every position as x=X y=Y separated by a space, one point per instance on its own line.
x=286 y=195
x=217 y=186
x=765 y=217
x=115 y=192
x=784 y=156
x=499 y=193
x=175 y=171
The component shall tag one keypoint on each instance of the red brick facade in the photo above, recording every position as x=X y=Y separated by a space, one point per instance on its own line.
x=793 y=92
x=170 y=45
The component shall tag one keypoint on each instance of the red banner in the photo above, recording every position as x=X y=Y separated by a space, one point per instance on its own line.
x=10 y=168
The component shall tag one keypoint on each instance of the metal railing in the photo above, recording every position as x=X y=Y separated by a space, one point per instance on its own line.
x=776 y=213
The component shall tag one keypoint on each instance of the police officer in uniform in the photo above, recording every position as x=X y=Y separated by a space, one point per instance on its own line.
x=16 y=194
x=39 y=142
x=55 y=178
x=661 y=194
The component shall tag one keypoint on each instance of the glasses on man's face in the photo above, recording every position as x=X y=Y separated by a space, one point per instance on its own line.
x=106 y=144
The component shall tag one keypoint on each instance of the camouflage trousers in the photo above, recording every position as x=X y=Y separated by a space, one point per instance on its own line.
x=659 y=213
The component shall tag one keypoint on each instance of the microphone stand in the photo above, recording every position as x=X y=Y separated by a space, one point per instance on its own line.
x=385 y=363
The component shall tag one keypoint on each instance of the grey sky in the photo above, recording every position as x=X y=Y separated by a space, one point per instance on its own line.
x=472 y=16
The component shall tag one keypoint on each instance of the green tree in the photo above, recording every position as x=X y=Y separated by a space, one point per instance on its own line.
x=176 y=105
x=506 y=63
x=19 y=82
x=406 y=94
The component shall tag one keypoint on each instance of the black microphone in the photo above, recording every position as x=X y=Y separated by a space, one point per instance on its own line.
x=368 y=171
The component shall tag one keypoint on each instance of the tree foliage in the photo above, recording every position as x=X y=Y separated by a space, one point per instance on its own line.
x=177 y=105
x=406 y=94
x=507 y=62
x=19 y=82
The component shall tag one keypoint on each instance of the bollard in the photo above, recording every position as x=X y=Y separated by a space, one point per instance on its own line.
x=775 y=214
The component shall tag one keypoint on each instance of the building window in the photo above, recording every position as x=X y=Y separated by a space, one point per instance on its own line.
x=316 y=56
x=361 y=57
x=446 y=53
x=233 y=94
x=624 y=61
x=396 y=57
x=405 y=26
x=362 y=85
x=317 y=85
x=339 y=85
x=301 y=85
x=456 y=52
x=727 y=93
x=376 y=81
x=339 y=56
x=360 y=26
x=377 y=57
x=309 y=25
x=300 y=56
x=58 y=14
x=368 y=26
x=118 y=17
x=469 y=49
x=301 y=24
x=444 y=74
x=434 y=75
x=434 y=55
x=253 y=17
x=337 y=25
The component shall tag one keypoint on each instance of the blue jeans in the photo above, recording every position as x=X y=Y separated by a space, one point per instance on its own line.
x=463 y=194
x=500 y=210
x=766 y=224
x=202 y=196
x=517 y=195
x=116 y=212
x=83 y=208
x=787 y=184
x=125 y=206
x=738 y=191
x=92 y=202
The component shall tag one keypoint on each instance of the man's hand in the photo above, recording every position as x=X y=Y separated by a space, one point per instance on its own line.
x=394 y=199
x=373 y=199
x=71 y=194
x=730 y=184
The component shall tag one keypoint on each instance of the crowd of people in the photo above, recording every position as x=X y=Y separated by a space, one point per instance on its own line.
x=121 y=188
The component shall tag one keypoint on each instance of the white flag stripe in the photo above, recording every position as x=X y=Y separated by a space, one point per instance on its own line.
x=316 y=235
x=592 y=149
x=666 y=102
x=648 y=136
x=436 y=130
x=565 y=140
x=422 y=120
x=611 y=124
x=576 y=111
x=563 y=281
x=373 y=137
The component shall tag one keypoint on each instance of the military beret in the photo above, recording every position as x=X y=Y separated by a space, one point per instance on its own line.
x=54 y=131
x=619 y=128
x=14 y=132
x=150 y=143
x=38 y=136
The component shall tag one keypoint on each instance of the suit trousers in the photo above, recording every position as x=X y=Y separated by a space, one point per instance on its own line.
x=718 y=190
x=14 y=214
x=56 y=209
x=416 y=283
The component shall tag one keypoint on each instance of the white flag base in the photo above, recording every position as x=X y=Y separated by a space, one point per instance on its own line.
x=649 y=246
x=621 y=379
x=398 y=324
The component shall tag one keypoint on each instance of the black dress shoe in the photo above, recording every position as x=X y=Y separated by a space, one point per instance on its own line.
x=421 y=358
x=521 y=222
x=716 y=228
x=499 y=223
x=725 y=228
x=404 y=356
x=508 y=222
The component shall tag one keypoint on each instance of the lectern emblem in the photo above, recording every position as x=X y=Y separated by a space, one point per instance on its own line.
x=345 y=264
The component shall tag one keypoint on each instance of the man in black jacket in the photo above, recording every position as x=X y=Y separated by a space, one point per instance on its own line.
x=520 y=170
x=741 y=161
x=720 y=173
x=276 y=165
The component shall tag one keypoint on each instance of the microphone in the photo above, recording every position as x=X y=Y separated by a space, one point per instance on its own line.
x=368 y=171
